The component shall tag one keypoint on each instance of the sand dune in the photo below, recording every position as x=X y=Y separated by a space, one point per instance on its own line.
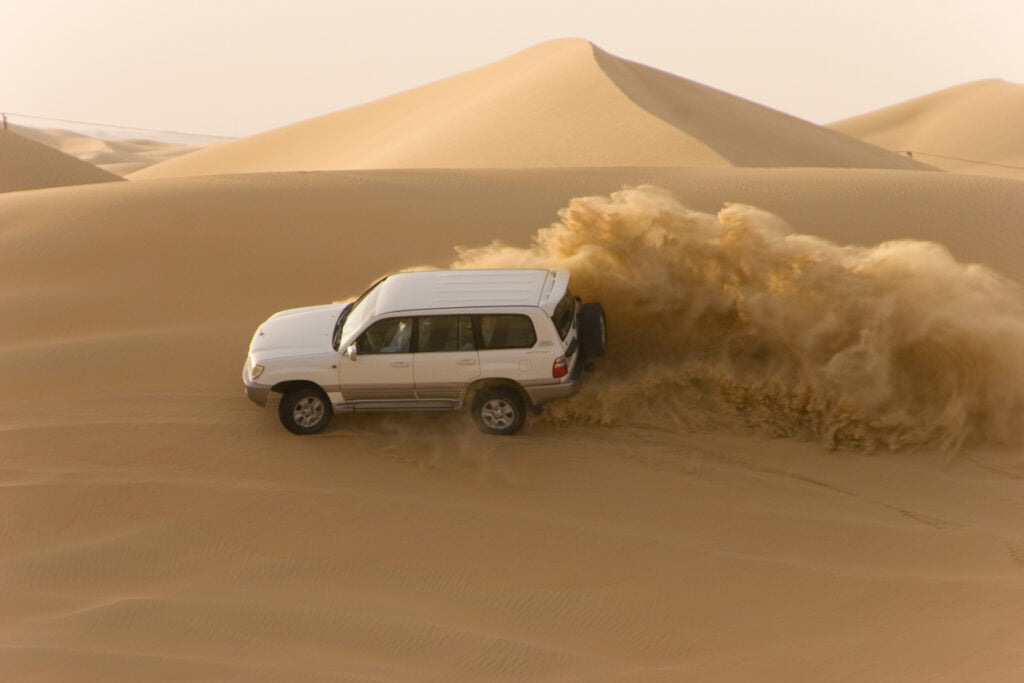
x=564 y=103
x=969 y=128
x=28 y=165
x=116 y=156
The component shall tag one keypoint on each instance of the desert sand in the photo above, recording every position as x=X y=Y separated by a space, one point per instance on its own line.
x=800 y=460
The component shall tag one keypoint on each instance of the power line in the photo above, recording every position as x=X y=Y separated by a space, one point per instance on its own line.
x=32 y=121
x=911 y=153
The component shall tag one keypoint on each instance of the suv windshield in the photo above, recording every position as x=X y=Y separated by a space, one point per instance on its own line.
x=354 y=315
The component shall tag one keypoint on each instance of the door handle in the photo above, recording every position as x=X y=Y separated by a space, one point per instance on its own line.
x=466 y=361
x=399 y=364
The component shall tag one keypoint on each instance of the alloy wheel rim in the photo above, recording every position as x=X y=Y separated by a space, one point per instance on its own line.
x=308 y=412
x=498 y=414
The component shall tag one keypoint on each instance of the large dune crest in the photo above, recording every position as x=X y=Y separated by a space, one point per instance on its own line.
x=563 y=103
x=969 y=128
x=29 y=165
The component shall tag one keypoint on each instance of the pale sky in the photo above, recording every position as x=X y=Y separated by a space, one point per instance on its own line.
x=237 y=67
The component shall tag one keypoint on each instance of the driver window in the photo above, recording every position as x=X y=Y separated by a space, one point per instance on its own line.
x=386 y=336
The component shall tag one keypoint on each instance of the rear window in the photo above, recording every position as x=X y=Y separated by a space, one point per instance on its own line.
x=506 y=332
x=565 y=313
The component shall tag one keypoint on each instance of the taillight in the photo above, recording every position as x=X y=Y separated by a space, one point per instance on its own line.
x=560 y=368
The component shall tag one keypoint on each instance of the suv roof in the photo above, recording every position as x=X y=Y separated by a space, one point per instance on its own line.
x=472 y=288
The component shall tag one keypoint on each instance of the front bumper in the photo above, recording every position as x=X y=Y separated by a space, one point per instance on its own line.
x=257 y=393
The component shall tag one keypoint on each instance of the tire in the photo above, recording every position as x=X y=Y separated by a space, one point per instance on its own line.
x=498 y=410
x=593 y=330
x=305 y=410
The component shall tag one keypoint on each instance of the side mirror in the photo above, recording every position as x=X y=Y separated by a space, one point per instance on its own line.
x=351 y=352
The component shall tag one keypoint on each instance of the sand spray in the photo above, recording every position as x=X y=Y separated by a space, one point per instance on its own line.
x=730 y=321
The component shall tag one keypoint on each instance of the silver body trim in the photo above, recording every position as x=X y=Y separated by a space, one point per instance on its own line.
x=377 y=392
x=449 y=391
x=379 y=406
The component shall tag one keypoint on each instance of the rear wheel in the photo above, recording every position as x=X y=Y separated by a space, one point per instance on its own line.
x=305 y=410
x=498 y=410
x=593 y=330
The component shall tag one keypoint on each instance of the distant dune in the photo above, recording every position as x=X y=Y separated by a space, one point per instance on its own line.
x=970 y=128
x=120 y=156
x=28 y=165
x=560 y=104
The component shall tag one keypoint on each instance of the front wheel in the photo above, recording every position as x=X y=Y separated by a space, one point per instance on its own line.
x=305 y=410
x=498 y=410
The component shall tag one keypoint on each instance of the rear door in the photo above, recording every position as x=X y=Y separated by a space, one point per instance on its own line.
x=446 y=359
x=506 y=344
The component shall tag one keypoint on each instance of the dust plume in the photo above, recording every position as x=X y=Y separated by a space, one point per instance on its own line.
x=731 y=321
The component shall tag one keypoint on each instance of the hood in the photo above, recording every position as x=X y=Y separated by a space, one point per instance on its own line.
x=297 y=331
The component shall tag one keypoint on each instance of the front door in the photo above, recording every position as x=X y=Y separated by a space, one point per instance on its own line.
x=382 y=370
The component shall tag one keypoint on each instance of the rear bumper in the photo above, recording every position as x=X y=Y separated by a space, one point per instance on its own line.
x=542 y=393
x=548 y=392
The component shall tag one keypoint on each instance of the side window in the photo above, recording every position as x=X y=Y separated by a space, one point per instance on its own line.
x=391 y=335
x=445 y=333
x=506 y=332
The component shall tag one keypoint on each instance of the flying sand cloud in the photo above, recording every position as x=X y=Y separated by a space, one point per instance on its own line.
x=730 y=321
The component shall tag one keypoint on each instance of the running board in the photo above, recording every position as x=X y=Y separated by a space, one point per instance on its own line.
x=376 y=406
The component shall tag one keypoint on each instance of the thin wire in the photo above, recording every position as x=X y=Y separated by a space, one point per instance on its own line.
x=109 y=126
x=911 y=153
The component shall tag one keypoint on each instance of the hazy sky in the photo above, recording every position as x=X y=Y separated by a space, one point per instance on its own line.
x=235 y=67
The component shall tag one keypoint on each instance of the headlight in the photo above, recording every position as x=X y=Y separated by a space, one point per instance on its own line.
x=256 y=371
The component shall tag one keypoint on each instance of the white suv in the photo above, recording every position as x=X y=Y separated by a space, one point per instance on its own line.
x=497 y=341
